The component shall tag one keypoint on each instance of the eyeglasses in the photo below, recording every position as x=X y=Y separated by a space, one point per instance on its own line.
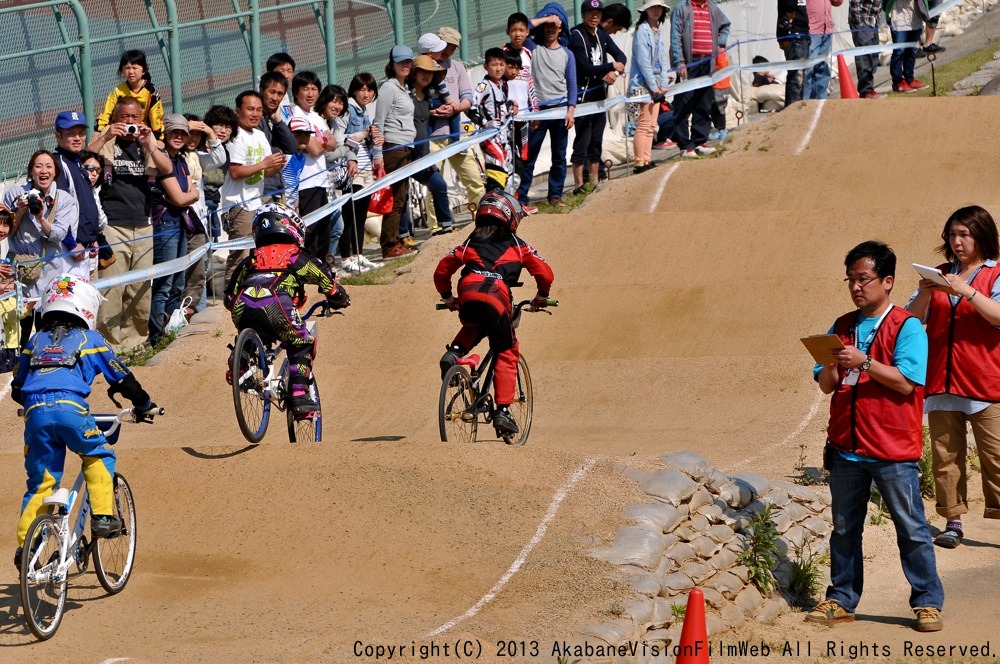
x=864 y=281
x=92 y=167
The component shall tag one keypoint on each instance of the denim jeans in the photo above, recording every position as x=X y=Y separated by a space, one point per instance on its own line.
x=557 y=174
x=818 y=78
x=866 y=65
x=903 y=60
x=899 y=484
x=438 y=189
x=696 y=107
x=169 y=242
x=336 y=230
x=797 y=49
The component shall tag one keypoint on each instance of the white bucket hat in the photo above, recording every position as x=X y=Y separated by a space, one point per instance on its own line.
x=652 y=3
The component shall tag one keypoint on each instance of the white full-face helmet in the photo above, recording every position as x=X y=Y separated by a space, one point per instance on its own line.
x=73 y=295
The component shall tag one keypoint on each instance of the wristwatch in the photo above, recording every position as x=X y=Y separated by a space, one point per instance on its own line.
x=867 y=364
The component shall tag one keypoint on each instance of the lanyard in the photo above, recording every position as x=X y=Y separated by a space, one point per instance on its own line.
x=871 y=335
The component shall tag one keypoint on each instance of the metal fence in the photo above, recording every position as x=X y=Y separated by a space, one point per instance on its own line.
x=63 y=54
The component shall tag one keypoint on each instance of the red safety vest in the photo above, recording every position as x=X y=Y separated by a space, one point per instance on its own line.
x=964 y=348
x=869 y=418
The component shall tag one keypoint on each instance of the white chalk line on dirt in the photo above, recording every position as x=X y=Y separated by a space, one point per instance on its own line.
x=790 y=437
x=116 y=660
x=663 y=183
x=525 y=552
x=6 y=387
x=812 y=127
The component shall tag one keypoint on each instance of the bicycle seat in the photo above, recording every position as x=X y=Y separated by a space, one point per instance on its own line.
x=469 y=361
x=60 y=497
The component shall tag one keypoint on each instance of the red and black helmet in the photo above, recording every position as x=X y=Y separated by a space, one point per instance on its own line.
x=501 y=209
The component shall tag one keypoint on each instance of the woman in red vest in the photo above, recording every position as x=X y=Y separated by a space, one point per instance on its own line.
x=963 y=372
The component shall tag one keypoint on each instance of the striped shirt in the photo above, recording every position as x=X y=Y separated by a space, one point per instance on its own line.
x=702 y=41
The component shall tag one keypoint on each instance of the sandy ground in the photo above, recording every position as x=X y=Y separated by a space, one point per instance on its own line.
x=678 y=329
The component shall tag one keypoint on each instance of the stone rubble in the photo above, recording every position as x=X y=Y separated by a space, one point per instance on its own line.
x=690 y=532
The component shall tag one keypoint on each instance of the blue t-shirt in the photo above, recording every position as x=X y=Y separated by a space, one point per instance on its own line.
x=909 y=356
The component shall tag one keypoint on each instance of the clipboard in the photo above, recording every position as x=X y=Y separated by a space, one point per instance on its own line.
x=935 y=275
x=822 y=347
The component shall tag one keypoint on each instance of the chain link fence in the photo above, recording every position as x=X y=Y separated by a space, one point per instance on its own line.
x=43 y=58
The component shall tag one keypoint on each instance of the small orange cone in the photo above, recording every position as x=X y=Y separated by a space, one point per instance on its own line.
x=847 y=88
x=693 y=648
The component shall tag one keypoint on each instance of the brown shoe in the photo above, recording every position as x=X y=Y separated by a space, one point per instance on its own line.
x=396 y=251
x=928 y=619
x=829 y=612
x=556 y=202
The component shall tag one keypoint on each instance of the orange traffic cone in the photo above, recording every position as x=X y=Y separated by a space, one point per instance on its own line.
x=847 y=88
x=693 y=648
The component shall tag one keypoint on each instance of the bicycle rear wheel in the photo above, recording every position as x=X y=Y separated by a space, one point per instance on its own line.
x=253 y=406
x=523 y=405
x=457 y=417
x=43 y=588
x=304 y=430
x=114 y=557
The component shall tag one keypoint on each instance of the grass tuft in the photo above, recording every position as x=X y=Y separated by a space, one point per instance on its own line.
x=143 y=353
x=380 y=276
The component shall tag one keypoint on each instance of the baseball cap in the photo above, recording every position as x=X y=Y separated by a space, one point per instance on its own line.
x=431 y=43
x=175 y=121
x=450 y=35
x=591 y=5
x=300 y=124
x=68 y=119
x=401 y=52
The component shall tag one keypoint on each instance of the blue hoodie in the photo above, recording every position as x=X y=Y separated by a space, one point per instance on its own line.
x=551 y=9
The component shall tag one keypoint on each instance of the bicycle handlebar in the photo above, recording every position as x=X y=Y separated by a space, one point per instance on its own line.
x=132 y=415
x=325 y=306
x=441 y=306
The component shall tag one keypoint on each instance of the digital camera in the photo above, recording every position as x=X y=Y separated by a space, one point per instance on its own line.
x=34 y=198
x=131 y=130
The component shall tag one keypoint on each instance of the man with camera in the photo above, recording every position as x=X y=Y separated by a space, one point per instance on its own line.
x=134 y=156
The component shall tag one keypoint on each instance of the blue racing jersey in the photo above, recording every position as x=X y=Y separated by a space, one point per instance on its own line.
x=65 y=360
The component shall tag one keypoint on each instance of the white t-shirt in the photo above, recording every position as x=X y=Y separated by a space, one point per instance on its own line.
x=310 y=176
x=517 y=89
x=246 y=148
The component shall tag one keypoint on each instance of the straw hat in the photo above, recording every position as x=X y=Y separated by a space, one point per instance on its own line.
x=426 y=63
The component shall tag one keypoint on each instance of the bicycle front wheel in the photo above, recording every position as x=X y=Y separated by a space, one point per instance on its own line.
x=43 y=586
x=307 y=429
x=457 y=417
x=114 y=556
x=523 y=405
x=253 y=406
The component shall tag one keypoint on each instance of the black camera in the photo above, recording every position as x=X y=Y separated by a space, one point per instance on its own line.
x=34 y=198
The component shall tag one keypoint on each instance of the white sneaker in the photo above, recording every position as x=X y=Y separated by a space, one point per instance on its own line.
x=689 y=154
x=704 y=150
x=349 y=266
x=364 y=262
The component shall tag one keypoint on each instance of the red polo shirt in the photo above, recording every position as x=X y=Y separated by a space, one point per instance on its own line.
x=703 y=40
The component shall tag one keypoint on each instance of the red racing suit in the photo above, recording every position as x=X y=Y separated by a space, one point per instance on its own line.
x=489 y=270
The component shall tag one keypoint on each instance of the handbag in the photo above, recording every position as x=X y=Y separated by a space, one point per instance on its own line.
x=29 y=268
x=381 y=201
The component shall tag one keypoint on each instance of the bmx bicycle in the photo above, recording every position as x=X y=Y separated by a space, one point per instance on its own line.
x=466 y=398
x=55 y=542
x=257 y=384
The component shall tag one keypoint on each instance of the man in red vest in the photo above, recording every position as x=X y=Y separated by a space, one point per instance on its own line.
x=876 y=435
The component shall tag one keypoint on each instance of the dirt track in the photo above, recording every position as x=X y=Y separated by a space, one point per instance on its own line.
x=678 y=329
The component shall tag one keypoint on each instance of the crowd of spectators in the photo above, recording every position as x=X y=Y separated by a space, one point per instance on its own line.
x=151 y=188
